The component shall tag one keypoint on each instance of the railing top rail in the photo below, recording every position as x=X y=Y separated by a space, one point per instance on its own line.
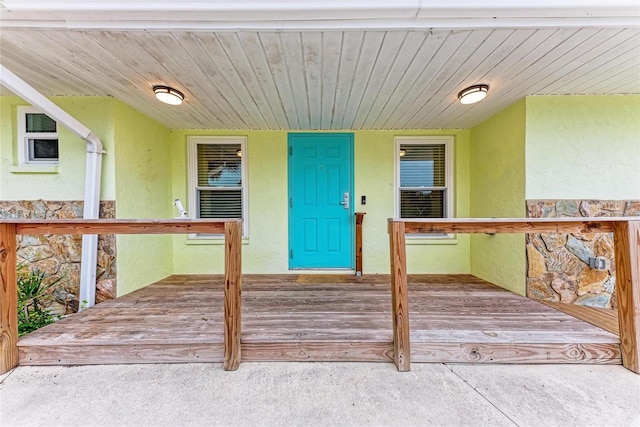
x=517 y=220
x=512 y=225
x=119 y=226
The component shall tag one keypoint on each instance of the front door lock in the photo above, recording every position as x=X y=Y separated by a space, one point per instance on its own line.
x=345 y=200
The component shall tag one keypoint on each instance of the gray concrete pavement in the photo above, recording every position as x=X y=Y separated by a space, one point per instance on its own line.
x=318 y=394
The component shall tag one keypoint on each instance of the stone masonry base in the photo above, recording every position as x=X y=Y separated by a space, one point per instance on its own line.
x=59 y=255
x=558 y=264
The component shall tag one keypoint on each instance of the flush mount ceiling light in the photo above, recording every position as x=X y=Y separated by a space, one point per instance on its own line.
x=473 y=94
x=168 y=95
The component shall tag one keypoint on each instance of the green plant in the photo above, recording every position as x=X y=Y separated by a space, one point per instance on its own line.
x=33 y=286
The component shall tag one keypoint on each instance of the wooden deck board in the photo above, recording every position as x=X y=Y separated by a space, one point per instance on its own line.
x=453 y=318
x=600 y=317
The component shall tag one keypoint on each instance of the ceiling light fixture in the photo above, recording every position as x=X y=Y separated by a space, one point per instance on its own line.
x=168 y=95
x=473 y=94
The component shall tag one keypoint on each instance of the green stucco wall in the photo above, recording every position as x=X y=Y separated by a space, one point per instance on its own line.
x=143 y=191
x=265 y=250
x=571 y=145
x=136 y=172
x=497 y=190
x=583 y=147
x=374 y=177
x=66 y=181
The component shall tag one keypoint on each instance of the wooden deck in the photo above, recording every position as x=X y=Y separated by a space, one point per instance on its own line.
x=453 y=318
x=606 y=319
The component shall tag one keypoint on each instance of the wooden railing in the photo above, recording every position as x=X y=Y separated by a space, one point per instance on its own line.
x=626 y=233
x=9 y=229
x=627 y=253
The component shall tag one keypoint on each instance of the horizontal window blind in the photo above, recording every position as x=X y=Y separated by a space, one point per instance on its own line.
x=423 y=179
x=40 y=123
x=422 y=203
x=219 y=180
x=422 y=165
x=219 y=165
x=220 y=203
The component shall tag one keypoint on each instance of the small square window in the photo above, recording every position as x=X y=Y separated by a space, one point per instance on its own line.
x=37 y=137
x=43 y=149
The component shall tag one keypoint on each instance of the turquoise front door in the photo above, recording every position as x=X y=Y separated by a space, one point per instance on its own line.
x=320 y=200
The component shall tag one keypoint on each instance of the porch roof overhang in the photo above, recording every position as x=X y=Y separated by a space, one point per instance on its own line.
x=355 y=64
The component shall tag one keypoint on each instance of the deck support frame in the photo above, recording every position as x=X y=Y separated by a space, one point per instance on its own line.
x=10 y=228
x=359 y=220
x=626 y=232
x=8 y=299
x=399 y=297
x=626 y=236
x=232 y=295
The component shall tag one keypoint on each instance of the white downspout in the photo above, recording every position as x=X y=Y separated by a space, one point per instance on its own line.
x=92 y=175
x=89 y=262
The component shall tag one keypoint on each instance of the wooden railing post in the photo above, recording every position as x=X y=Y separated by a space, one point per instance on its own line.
x=232 y=294
x=399 y=296
x=626 y=237
x=359 y=219
x=8 y=299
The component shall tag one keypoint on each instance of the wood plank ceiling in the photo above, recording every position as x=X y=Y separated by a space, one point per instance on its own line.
x=356 y=79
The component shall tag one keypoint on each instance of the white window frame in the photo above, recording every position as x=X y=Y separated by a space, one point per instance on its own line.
x=192 y=171
x=449 y=172
x=24 y=136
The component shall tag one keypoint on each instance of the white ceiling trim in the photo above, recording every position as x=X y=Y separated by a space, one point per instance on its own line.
x=386 y=24
x=361 y=6
x=317 y=15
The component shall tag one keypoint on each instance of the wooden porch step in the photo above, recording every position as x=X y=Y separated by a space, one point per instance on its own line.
x=120 y=354
x=525 y=353
x=310 y=351
x=529 y=353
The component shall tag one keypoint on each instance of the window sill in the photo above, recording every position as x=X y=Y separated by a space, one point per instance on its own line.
x=52 y=169
x=210 y=241
x=450 y=239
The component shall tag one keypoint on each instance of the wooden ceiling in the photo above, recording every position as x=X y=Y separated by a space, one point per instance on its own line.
x=355 y=79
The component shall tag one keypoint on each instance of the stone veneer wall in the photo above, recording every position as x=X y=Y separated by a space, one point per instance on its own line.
x=558 y=264
x=60 y=255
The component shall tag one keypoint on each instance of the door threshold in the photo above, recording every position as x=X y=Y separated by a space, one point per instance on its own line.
x=322 y=271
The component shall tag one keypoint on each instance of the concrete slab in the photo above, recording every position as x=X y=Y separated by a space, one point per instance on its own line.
x=5 y=375
x=554 y=395
x=299 y=394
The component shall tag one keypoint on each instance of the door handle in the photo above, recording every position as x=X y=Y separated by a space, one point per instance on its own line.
x=345 y=200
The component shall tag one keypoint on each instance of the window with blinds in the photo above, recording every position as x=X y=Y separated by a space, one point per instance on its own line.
x=423 y=190
x=38 y=137
x=218 y=173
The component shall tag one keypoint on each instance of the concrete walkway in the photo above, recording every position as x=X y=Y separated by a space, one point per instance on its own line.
x=319 y=394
